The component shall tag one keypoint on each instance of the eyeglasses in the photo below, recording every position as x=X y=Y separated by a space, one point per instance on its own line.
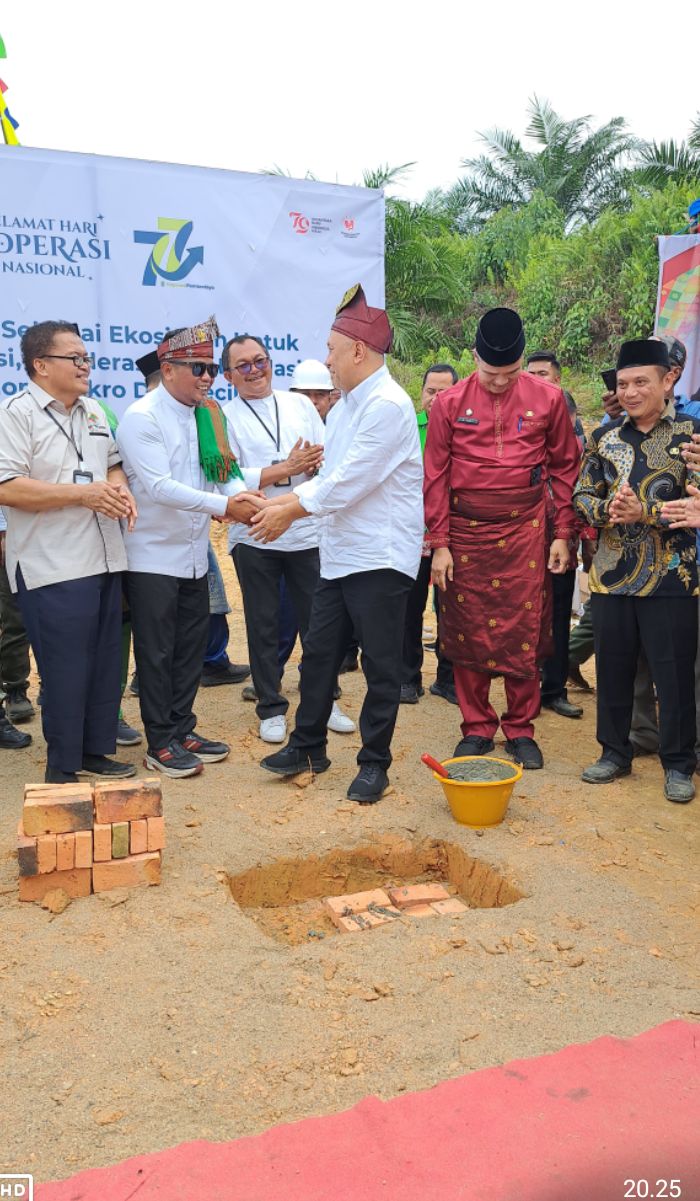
x=198 y=369
x=245 y=368
x=78 y=360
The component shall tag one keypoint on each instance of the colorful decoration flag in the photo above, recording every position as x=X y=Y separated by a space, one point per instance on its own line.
x=678 y=304
x=7 y=121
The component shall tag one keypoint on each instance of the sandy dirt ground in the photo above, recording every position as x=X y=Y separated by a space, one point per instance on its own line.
x=134 y=1021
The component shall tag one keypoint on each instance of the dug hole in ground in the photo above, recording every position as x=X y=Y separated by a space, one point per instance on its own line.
x=136 y=1020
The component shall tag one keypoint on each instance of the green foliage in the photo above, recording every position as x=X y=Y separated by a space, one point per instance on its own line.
x=583 y=170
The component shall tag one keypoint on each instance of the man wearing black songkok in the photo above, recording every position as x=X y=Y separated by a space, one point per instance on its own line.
x=644 y=580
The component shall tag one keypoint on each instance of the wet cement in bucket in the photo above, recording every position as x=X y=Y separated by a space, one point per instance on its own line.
x=484 y=771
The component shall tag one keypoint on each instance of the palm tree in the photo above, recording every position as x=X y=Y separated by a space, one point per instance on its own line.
x=581 y=168
x=660 y=162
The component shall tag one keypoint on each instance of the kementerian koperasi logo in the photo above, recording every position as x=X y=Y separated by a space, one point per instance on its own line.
x=170 y=259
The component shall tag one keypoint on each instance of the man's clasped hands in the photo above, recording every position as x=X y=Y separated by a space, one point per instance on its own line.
x=269 y=517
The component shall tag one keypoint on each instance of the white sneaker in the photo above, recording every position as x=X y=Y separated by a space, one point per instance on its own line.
x=274 y=729
x=339 y=722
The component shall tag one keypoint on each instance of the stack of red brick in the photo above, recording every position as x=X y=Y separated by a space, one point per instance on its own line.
x=84 y=839
x=366 y=910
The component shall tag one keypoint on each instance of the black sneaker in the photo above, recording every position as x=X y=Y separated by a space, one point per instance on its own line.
x=292 y=761
x=100 y=765
x=127 y=735
x=53 y=775
x=410 y=694
x=369 y=784
x=248 y=693
x=134 y=684
x=474 y=744
x=204 y=748
x=445 y=691
x=10 y=738
x=349 y=664
x=231 y=673
x=173 y=760
x=18 y=705
x=526 y=752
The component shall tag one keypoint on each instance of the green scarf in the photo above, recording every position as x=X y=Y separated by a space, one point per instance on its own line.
x=215 y=455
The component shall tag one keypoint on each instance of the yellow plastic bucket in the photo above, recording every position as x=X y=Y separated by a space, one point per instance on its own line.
x=475 y=802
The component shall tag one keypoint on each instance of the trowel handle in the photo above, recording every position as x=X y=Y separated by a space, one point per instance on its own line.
x=434 y=765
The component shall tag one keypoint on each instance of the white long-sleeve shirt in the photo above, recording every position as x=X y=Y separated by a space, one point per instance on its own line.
x=256 y=446
x=157 y=438
x=370 y=488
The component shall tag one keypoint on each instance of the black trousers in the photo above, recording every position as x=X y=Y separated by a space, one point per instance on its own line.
x=374 y=604
x=555 y=671
x=170 y=623
x=75 y=629
x=259 y=572
x=413 y=633
x=14 y=643
x=666 y=629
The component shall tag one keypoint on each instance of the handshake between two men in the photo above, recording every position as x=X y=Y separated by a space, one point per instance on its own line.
x=271 y=516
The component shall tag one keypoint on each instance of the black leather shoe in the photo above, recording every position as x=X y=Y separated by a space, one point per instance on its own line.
x=349 y=664
x=18 y=705
x=368 y=785
x=291 y=761
x=473 y=745
x=10 y=738
x=52 y=775
x=526 y=752
x=604 y=771
x=100 y=765
x=410 y=694
x=678 y=787
x=563 y=707
x=443 y=690
x=231 y=673
x=134 y=684
x=577 y=679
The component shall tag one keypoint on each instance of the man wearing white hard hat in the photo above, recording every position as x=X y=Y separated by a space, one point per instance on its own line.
x=313 y=379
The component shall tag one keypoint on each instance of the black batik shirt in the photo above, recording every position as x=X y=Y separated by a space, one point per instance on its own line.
x=645 y=558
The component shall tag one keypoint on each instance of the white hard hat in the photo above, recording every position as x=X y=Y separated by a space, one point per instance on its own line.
x=312 y=375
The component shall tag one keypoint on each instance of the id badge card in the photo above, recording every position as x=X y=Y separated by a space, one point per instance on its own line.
x=82 y=477
x=286 y=482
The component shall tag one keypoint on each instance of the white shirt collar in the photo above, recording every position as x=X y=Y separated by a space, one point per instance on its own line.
x=358 y=395
x=45 y=398
x=184 y=412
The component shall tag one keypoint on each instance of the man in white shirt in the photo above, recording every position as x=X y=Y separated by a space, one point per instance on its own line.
x=277 y=437
x=65 y=493
x=369 y=492
x=178 y=462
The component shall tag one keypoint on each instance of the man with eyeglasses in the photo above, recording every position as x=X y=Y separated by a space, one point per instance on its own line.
x=179 y=463
x=278 y=438
x=65 y=493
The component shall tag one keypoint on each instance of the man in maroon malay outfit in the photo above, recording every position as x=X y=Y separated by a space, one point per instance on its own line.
x=491 y=439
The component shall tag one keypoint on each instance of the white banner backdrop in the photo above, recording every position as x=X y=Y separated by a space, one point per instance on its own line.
x=678 y=302
x=128 y=249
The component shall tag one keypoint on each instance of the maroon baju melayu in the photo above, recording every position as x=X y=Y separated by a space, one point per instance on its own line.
x=486 y=459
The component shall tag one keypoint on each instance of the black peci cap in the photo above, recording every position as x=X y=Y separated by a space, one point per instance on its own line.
x=643 y=352
x=148 y=364
x=500 y=337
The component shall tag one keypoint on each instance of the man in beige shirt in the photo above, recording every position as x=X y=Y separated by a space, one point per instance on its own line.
x=65 y=493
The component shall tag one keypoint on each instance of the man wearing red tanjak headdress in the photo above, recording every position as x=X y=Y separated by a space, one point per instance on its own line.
x=490 y=440
x=181 y=468
x=369 y=492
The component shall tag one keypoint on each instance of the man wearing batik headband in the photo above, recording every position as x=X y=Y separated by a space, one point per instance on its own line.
x=368 y=492
x=491 y=440
x=178 y=461
x=644 y=580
